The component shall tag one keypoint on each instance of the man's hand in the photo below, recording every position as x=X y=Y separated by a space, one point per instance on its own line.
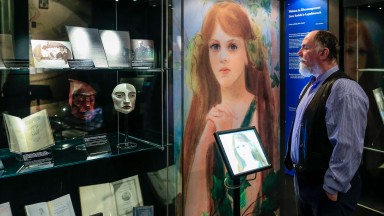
x=332 y=197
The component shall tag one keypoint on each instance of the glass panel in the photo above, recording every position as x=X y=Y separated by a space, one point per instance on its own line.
x=364 y=62
x=78 y=100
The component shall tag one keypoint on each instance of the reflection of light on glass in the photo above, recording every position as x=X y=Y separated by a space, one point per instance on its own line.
x=64 y=109
x=179 y=41
x=112 y=42
x=82 y=37
x=379 y=97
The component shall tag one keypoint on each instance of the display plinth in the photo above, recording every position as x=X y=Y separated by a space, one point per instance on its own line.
x=126 y=144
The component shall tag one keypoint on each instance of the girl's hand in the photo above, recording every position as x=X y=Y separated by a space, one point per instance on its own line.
x=222 y=117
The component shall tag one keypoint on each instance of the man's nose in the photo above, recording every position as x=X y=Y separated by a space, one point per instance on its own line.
x=300 y=53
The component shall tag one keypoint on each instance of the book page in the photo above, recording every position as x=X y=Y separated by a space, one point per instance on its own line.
x=127 y=194
x=15 y=133
x=5 y=209
x=37 y=209
x=61 y=206
x=97 y=198
x=38 y=131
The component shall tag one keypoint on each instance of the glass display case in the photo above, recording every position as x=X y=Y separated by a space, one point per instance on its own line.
x=364 y=61
x=65 y=59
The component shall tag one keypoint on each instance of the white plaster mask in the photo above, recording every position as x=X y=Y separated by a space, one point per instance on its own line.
x=124 y=98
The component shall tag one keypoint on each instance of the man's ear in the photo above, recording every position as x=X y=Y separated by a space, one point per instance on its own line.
x=324 y=54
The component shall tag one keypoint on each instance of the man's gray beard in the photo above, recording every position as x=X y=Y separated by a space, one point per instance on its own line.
x=304 y=70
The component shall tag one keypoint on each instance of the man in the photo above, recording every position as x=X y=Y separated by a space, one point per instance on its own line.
x=327 y=137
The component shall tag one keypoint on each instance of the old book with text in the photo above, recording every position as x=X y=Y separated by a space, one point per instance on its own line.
x=29 y=134
x=115 y=198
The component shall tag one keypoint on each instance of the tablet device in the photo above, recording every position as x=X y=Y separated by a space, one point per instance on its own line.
x=242 y=151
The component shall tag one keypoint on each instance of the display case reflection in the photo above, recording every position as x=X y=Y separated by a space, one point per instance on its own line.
x=360 y=54
x=363 y=61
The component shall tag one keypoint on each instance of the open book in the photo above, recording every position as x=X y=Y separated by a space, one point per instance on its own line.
x=61 y=206
x=5 y=209
x=116 y=198
x=29 y=134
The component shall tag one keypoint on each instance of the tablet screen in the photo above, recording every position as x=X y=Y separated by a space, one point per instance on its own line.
x=242 y=151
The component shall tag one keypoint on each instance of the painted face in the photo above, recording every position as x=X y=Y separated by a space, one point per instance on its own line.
x=82 y=99
x=124 y=98
x=308 y=56
x=228 y=57
x=356 y=54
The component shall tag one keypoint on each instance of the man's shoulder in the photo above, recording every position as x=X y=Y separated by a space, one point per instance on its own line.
x=346 y=86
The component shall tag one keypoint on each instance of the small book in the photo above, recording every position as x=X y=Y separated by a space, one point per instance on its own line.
x=116 y=198
x=143 y=211
x=57 y=207
x=29 y=134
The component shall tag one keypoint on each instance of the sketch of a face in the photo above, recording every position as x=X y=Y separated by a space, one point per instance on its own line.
x=228 y=57
x=124 y=98
x=82 y=99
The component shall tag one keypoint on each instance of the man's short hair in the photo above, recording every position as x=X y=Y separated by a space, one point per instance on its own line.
x=328 y=40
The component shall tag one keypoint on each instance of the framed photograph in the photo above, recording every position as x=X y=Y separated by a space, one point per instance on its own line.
x=143 y=53
x=43 y=4
x=242 y=151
